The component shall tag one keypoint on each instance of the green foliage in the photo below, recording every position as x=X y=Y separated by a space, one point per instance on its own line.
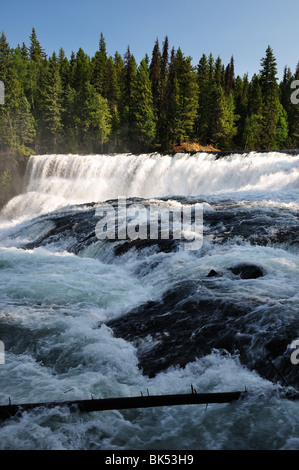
x=111 y=103
x=144 y=117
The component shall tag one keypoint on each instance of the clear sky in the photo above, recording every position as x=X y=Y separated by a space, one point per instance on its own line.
x=240 y=28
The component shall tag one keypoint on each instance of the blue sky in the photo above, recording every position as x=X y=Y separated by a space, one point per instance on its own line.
x=227 y=27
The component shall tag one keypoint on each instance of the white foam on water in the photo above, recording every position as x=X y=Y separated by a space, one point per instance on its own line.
x=55 y=181
x=54 y=306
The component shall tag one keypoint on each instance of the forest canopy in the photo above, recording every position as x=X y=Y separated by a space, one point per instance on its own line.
x=110 y=103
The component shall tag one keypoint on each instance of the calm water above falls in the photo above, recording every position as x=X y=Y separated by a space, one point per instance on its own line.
x=81 y=316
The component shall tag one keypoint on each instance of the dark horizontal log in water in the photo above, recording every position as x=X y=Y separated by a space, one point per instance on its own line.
x=122 y=403
x=126 y=403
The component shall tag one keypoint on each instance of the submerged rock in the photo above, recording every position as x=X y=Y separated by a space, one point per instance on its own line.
x=190 y=322
x=213 y=273
x=247 y=271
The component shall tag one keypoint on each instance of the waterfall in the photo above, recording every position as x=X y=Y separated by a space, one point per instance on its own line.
x=54 y=181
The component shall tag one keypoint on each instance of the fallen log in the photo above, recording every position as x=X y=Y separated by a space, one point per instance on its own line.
x=101 y=404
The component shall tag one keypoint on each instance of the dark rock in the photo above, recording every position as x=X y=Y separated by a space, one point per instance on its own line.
x=213 y=273
x=247 y=271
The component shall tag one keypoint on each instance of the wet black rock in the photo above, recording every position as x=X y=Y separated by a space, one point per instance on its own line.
x=213 y=273
x=247 y=271
x=190 y=322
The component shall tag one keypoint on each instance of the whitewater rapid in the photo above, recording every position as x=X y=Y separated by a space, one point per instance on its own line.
x=83 y=317
x=54 y=181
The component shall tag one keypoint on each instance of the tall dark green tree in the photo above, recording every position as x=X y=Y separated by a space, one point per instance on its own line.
x=145 y=120
x=172 y=105
x=270 y=95
x=99 y=66
x=128 y=99
x=230 y=77
x=155 y=77
x=53 y=104
x=188 y=96
x=253 y=124
x=161 y=127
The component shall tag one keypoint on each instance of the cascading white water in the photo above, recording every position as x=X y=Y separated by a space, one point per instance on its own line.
x=54 y=181
x=55 y=306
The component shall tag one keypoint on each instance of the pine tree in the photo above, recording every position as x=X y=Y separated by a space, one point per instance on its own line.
x=16 y=122
x=37 y=59
x=203 y=100
x=218 y=72
x=161 y=120
x=113 y=93
x=222 y=125
x=188 y=96
x=98 y=120
x=143 y=108
x=253 y=124
x=100 y=68
x=270 y=94
x=127 y=98
x=155 y=76
x=53 y=104
x=172 y=105
x=64 y=68
x=230 y=77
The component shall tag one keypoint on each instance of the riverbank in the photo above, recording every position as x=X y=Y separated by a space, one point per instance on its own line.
x=12 y=171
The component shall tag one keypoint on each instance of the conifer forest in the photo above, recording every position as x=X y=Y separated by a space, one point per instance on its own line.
x=104 y=103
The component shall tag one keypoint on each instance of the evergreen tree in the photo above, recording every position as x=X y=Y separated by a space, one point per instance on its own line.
x=68 y=119
x=291 y=110
x=253 y=125
x=128 y=98
x=88 y=104
x=202 y=122
x=218 y=72
x=100 y=68
x=144 y=112
x=161 y=120
x=230 y=77
x=188 y=96
x=16 y=122
x=53 y=104
x=97 y=120
x=240 y=93
x=172 y=105
x=155 y=76
x=270 y=94
x=64 y=69
x=222 y=124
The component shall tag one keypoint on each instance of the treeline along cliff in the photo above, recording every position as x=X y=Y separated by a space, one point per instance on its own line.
x=112 y=104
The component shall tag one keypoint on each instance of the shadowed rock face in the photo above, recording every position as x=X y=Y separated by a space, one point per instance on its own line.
x=227 y=223
x=191 y=321
x=247 y=271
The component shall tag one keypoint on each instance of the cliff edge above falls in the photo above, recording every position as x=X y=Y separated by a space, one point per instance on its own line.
x=193 y=147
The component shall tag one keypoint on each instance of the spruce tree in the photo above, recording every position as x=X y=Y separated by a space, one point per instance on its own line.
x=172 y=105
x=188 y=96
x=145 y=121
x=161 y=119
x=230 y=77
x=99 y=66
x=53 y=104
x=270 y=95
x=127 y=99
x=155 y=76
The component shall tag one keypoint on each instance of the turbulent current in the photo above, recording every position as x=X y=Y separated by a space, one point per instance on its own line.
x=85 y=316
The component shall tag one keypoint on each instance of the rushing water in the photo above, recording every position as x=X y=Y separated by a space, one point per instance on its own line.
x=82 y=317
